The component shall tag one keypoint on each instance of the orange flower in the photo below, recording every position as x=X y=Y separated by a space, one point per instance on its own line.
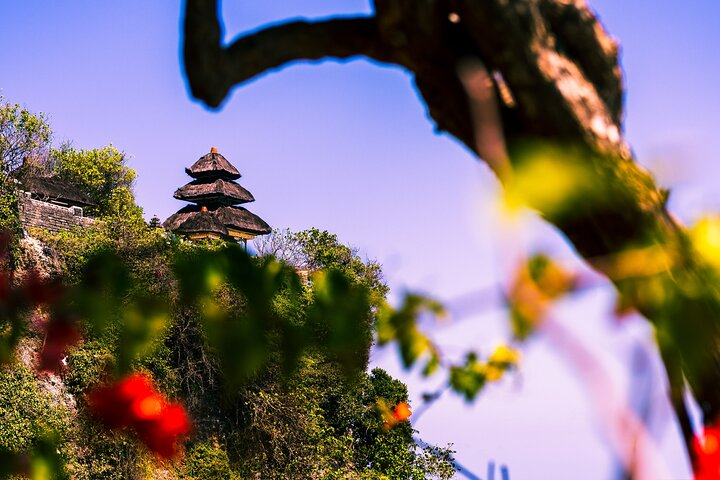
x=134 y=403
x=402 y=411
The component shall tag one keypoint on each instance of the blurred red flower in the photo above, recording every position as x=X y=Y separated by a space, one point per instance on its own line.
x=707 y=451
x=134 y=403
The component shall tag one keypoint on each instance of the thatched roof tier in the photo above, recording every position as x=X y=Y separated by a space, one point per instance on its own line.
x=201 y=223
x=213 y=165
x=232 y=218
x=243 y=220
x=54 y=190
x=220 y=191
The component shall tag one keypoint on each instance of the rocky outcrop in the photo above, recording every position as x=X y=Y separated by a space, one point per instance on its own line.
x=37 y=256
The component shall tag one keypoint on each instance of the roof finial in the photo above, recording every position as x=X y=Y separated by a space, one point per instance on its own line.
x=213 y=150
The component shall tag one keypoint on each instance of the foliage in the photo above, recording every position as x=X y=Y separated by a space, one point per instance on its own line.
x=208 y=461
x=274 y=368
x=103 y=174
x=94 y=453
x=312 y=250
x=9 y=216
x=87 y=363
x=27 y=415
x=24 y=136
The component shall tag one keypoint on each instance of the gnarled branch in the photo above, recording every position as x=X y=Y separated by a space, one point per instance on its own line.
x=213 y=70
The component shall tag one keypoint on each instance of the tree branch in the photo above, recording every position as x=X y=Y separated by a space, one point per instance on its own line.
x=213 y=70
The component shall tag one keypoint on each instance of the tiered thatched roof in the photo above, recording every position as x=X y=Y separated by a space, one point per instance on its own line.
x=215 y=196
x=231 y=217
x=214 y=191
x=202 y=223
x=213 y=165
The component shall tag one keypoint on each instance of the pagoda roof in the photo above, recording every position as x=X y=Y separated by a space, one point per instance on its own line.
x=242 y=219
x=52 y=189
x=213 y=165
x=202 y=222
x=232 y=217
x=218 y=191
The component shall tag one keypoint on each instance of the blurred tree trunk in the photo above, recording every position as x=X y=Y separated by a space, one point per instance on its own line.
x=561 y=69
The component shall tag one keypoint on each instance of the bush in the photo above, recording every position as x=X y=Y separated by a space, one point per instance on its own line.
x=207 y=461
x=27 y=415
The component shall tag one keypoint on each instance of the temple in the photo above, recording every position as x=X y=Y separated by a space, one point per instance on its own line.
x=214 y=196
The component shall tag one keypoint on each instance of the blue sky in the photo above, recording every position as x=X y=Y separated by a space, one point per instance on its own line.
x=347 y=147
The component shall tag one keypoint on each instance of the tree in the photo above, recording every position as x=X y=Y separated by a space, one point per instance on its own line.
x=516 y=82
x=103 y=174
x=312 y=250
x=24 y=139
x=24 y=136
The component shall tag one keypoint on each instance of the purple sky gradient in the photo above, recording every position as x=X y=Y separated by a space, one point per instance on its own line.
x=347 y=147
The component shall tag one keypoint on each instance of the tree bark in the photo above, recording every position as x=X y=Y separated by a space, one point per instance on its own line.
x=563 y=71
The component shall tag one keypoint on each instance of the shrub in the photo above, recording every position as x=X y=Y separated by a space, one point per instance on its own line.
x=207 y=461
x=27 y=415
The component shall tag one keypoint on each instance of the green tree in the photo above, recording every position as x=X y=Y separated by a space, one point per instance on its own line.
x=312 y=251
x=24 y=139
x=103 y=174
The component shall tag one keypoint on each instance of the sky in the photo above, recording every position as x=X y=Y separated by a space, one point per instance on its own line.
x=348 y=147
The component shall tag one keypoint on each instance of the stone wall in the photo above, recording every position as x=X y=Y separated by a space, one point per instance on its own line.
x=35 y=213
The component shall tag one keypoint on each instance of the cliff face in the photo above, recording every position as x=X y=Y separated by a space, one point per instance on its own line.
x=37 y=256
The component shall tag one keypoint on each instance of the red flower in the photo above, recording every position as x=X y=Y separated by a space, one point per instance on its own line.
x=134 y=403
x=161 y=432
x=707 y=451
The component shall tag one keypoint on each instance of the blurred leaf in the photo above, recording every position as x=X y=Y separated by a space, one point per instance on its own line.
x=432 y=364
x=42 y=462
x=505 y=357
x=98 y=297
x=469 y=378
x=212 y=280
x=143 y=321
x=551 y=180
x=536 y=284
x=705 y=237
x=401 y=326
x=340 y=311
